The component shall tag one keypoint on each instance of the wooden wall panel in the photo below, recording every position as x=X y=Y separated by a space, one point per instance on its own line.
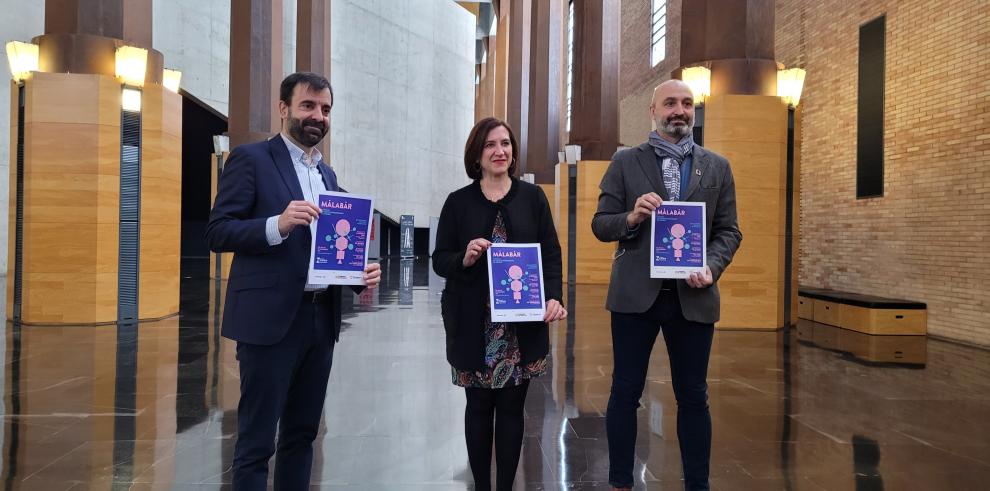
x=753 y=305
x=594 y=257
x=751 y=131
x=72 y=200
x=550 y=190
x=161 y=204
x=561 y=213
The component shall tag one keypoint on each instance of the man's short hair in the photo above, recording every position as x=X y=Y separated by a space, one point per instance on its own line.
x=314 y=81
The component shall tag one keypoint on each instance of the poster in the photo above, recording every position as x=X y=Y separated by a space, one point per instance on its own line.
x=406 y=228
x=678 y=237
x=515 y=280
x=339 y=253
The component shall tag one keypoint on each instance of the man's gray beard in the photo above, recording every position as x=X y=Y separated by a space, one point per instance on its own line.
x=677 y=131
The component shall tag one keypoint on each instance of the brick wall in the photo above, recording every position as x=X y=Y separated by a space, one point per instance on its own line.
x=925 y=239
x=636 y=77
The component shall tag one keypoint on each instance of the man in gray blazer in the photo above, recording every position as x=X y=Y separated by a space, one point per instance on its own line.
x=668 y=167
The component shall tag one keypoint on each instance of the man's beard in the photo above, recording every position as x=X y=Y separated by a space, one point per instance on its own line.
x=670 y=129
x=300 y=130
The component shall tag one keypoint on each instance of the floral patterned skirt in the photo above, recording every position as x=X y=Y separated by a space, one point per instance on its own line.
x=502 y=361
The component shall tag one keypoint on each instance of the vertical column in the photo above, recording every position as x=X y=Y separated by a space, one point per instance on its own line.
x=546 y=89
x=81 y=36
x=595 y=87
x=751 y=131
x=313 y=45
x=517 y=88
x=255 y=69
x=736 y=39
x=484 y=100
x=501 y=58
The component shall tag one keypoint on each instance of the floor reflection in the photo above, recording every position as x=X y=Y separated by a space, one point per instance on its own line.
x=813 y=407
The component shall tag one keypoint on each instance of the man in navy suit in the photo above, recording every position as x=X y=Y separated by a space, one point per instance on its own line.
x=285 y=329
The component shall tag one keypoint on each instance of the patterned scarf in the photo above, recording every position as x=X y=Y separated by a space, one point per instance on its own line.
x=673 y=155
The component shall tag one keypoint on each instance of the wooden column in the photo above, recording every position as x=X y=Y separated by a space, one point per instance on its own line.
x=751 y=131
x=255 y=70
x=546 y=89
x=517 y=88
x=313 y=46
x=71 y=222
x=595 y=87
x=735 y=39
x=592 y=257
x=561 y=213
x=161 y=203
x=484 y=98
x=81 y=36
x=501 y=58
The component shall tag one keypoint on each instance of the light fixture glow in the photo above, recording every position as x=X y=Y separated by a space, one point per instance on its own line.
x=131 y=100
x=221 y=143
x=170 y=79
x=131 y=65
x=699 y=79
x=790 y=82
x=22 y=58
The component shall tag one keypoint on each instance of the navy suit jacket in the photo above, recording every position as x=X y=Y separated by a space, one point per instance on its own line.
x=266 y=282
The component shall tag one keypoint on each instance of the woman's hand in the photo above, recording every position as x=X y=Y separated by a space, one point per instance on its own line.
x=555 y=311
x=475 y=249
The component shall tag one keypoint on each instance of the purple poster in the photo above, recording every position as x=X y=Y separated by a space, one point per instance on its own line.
x=679 y=238
x=516 y=282
x=340 y=245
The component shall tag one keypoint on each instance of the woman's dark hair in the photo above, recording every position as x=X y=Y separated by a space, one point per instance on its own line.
x=315 y=82
x=476 y=145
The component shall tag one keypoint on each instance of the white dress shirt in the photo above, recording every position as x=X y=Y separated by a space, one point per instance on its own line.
x=311 y=182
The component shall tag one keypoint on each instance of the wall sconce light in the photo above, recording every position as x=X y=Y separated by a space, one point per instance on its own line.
x=131 y=65
x=131 y=100
x=699 y=79
x=789 y=85
x=170 y=79
x=23 y=59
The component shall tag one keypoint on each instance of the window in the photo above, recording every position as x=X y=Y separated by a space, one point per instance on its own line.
x=658 y=37
x=570 y=60
x=869 y=114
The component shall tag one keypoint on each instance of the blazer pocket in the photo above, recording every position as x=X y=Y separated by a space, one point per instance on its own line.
x=254 y=281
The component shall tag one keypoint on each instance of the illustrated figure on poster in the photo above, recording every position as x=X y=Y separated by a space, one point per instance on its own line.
x=677 y=232
x=342 y=242
x=516 y=273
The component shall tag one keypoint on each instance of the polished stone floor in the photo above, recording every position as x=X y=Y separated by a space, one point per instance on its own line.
x=810 y=408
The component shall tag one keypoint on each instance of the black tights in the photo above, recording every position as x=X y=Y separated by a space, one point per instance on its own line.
x=498 y=413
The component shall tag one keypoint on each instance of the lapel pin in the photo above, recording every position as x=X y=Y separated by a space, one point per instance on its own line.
x=697 y=171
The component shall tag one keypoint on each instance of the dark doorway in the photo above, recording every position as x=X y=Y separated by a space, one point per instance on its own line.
x=199 y=123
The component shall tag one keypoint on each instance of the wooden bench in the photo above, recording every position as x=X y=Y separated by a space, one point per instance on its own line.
x=863 y=313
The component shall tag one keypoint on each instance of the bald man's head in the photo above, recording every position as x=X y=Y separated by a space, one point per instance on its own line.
x=672 y=110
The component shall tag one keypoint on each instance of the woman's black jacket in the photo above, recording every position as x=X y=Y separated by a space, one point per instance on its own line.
x=468 y=215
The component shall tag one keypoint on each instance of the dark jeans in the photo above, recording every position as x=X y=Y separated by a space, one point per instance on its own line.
x=498 y=414
x=688 y=347
x=283 y=387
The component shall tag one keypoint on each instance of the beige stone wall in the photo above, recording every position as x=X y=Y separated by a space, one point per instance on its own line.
x=925 y=239
x=636 y=77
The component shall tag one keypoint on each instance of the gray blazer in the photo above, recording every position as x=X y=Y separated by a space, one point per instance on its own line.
x=634 y=172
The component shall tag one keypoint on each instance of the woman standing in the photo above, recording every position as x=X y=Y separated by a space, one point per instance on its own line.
x=493 y=361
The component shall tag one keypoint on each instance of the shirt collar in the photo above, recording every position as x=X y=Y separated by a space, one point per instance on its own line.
x=297 y=153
